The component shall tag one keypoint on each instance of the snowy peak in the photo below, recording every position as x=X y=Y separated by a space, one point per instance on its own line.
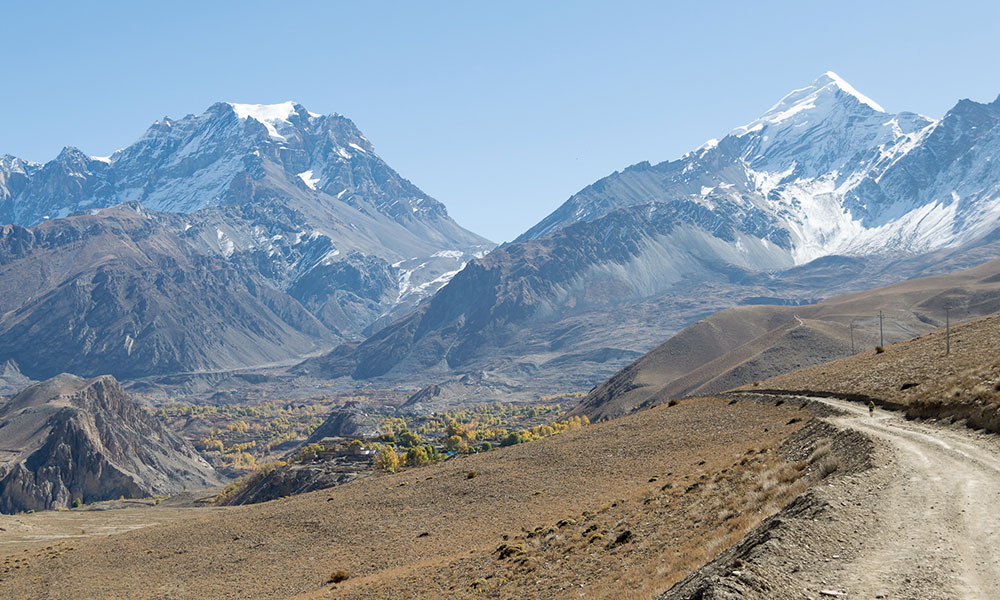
x=266 y=113
x=827 y=94
x=274 y=116
x=828 y=87
x=232 y=153
x=831 y=82
x=832 y=173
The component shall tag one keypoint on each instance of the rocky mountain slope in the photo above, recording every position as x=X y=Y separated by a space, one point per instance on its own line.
x=825 y=193
x=333 y=240
x=70 y=438
x=751 y=343
x=123 y=292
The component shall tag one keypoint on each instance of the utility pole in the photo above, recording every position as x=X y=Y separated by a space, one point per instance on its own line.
x=852 y=338
x=881 y=338
x=947 y=332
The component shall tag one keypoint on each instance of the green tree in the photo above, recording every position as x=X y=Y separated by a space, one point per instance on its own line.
x=454 y=429
x=416 y=457
x=408 y=439
x=454 y=443
x=512 y=438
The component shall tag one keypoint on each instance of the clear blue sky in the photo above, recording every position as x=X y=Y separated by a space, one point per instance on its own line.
x=500 y=110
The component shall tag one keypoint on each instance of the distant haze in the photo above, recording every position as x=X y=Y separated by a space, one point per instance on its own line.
x=501 y=115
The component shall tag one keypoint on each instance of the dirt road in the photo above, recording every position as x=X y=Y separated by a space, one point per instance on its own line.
x=939 y=520
x=923 y=523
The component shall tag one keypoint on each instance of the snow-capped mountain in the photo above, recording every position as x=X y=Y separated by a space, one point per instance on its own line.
x=205 y=160
x=234 y=155
x=290 y=199
x=831 y=172
x=825 y=193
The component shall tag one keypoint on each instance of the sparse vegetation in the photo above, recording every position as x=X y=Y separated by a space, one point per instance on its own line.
x=918 y=378
x=339 y=575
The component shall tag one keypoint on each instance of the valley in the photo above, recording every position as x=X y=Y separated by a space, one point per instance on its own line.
x=394 y=537
x=243 y=357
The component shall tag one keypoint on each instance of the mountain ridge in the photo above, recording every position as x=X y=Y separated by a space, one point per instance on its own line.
x=295 y=206
x=823 y=173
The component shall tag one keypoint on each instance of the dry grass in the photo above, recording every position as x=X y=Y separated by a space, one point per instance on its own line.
x=919 y=377
x=567 y=501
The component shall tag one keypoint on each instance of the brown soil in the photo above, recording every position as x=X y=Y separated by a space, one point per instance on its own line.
x=682 y=480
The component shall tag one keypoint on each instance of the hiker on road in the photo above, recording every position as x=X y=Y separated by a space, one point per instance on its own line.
x=871 y=408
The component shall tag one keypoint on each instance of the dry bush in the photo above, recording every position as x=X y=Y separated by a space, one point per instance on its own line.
x=339 y=575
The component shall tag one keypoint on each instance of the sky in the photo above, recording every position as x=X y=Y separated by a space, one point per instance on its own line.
x=500 y=110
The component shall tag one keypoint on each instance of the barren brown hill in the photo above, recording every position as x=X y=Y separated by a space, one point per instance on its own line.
x=740 y=345
x=618 y=509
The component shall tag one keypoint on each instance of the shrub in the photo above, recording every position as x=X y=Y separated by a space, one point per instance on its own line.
x=512 y=439
x=879 y=349
x=339 y=575
x=673 y=402
x=471 y=475
x=828 y=465
x=506 y=551
x=77 y=503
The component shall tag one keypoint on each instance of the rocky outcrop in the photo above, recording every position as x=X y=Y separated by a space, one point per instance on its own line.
x=300 y=478
x=12 y=380
x=70 y=438
x=345 y=422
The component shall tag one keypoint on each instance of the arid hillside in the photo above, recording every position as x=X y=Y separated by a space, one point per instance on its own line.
x=740 y=345
x=918 y=375
x=618 y=509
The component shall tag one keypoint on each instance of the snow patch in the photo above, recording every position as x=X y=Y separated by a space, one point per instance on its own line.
x=308 y=179
x=226 y=245
x=268 y=115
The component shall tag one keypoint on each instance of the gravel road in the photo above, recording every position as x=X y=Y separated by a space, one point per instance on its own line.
x=922 y=524
x=939 y=512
